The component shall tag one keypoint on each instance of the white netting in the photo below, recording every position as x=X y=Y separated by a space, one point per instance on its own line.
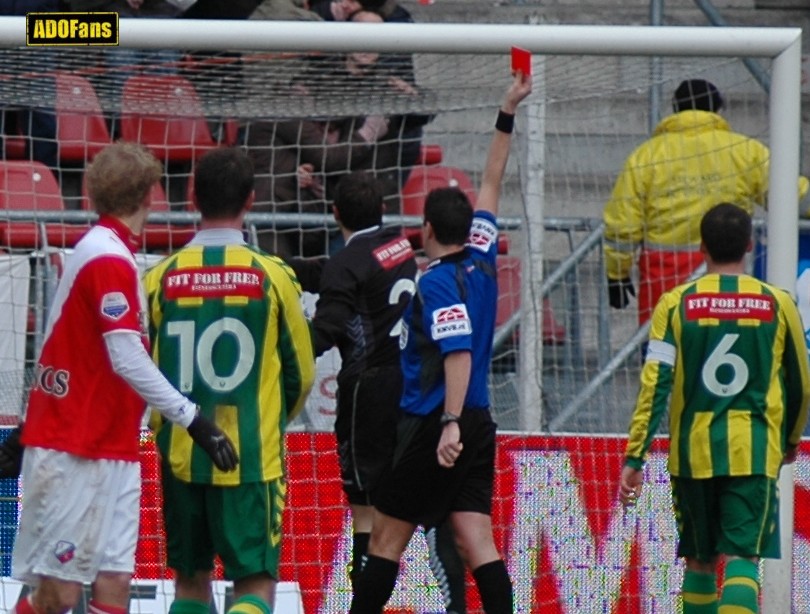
x=555 y=516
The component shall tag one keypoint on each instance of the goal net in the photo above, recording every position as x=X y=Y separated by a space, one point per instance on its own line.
x=311 y=102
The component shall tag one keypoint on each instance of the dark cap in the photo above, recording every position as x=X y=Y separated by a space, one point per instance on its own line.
x=697 y=94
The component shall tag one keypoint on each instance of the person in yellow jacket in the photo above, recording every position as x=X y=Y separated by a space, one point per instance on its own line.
x=693 y=161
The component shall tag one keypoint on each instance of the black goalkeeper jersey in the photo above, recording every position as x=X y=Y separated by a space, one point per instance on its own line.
x=363 y=291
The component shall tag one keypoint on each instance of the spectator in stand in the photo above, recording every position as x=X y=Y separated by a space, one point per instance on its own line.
x=299 y=161
x=80 y=467
x=398 y=149
x=217 y=9
x=444 y=458
x=289 y=10
x=250 y=367
x=692 y=161
x=406 y=131
x=735 y=385
x=340 y=10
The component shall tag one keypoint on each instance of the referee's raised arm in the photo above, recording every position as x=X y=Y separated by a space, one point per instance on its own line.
x=490 y=192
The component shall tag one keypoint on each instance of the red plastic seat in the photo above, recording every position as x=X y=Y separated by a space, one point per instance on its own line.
x=164 y=113
x=13 y=147
x=81 y=128
x=28 y=235
x=429 y=155
x=27 y=185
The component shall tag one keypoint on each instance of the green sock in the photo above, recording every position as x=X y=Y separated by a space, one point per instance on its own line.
x=740 y=588
x=250 y=604
x=189 y=606
x=699 y=593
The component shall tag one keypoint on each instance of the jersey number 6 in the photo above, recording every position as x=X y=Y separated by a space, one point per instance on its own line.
x=719 y=357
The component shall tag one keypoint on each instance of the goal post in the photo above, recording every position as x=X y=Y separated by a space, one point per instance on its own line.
x=461 y=95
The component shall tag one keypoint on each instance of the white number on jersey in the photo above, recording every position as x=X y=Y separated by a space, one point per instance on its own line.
x=397 y=290
x=203 y=354
x=722 y=356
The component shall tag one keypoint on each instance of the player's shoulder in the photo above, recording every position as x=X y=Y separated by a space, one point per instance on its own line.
x=276 y=268
x=99 y=248
x=782 y=296
x=385 y=247
x=101 y=241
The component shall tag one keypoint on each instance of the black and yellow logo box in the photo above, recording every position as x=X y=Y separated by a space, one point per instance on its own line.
x=71 y=29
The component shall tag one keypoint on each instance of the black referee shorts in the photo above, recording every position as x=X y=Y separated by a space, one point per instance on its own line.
x=365 y=427
x=419 y=490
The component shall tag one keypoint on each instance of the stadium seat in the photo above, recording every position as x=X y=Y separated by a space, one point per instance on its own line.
x=13 y=146
x=27 y=185
x=429 y=155
x=81 y=130
x=164 y=113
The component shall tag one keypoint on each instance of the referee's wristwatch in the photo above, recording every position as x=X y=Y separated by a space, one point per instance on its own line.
x=447 y=418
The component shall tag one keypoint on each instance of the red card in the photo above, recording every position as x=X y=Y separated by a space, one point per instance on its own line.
x=521 y=61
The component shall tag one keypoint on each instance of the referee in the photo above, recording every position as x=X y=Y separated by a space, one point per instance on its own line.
x=444 y=459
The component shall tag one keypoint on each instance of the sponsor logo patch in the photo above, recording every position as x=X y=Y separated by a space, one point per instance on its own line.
x=451 y=321
x=393 y=252
x=729 y=306
x=482 y=235
x=214 y=282
x=52 y=381
x=114 y=305
x=64 y=551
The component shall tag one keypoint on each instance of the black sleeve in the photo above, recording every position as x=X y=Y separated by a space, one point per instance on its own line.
x=322 y=8
x=336 y=304
x=308 y=271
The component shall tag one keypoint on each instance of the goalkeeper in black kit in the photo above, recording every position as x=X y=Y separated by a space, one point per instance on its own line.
x=362 y=293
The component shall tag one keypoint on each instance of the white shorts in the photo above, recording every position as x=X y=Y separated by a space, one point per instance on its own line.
x=79 y=517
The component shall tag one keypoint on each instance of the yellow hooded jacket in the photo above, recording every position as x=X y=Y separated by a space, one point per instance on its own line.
x=692 y=162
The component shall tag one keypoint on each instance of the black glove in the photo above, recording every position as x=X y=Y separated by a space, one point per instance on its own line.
x=620 y=291
x=215 y=443
x=11 y=453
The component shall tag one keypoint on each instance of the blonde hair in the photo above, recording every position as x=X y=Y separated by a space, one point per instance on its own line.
x=120 y=177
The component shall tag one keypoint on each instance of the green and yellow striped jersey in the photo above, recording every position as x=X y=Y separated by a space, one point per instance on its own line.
x=228 y=330
x=727 y=355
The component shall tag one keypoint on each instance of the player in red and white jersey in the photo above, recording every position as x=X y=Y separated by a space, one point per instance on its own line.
x=81 y=475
